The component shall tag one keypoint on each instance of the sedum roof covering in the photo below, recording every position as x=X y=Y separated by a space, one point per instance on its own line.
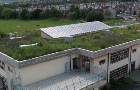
x=73 y=29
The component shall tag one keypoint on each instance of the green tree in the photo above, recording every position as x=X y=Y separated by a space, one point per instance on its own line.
x=99 y=16
x=14 y=14
x=42 y=15
x=85 y=1
x=1 y=9
x=6 y=13
x=45 y=14
x=90 y=9
x=91 y=16
x=83 y=13
x=36 y=14
x=22 y=14
x=73 y=15
x=55 y=13
x=139 y=15
x=29 y=15
x=72 y=8
x=107 y=13
x=77 y=10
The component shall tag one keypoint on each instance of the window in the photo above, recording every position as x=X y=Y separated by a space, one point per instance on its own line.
x=134 y=50
x=2 y=65
x=10 y=69
x=101 y=62
x=119 y=55
x=119 y=72
x=85 y=60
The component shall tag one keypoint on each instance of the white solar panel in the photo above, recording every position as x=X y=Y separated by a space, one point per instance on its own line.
x=73 y=29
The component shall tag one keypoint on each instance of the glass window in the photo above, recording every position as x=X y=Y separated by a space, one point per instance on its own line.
x=134 y=50
x=101 y=62
x=85 y=59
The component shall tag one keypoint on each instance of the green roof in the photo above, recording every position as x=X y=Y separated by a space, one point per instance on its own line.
x=89 y=41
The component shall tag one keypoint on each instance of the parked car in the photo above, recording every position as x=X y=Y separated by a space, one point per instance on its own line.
x=133 y=15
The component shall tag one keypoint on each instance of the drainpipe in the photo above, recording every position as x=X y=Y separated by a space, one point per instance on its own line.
x=70 y=61
x=130 y=60
x=108 y=69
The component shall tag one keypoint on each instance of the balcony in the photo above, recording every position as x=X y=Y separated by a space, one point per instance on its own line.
x=74 y=80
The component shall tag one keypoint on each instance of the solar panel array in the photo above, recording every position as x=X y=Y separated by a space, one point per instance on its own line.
x=73 y=29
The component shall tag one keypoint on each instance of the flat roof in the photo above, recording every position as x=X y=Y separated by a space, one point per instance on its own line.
x=73 y=29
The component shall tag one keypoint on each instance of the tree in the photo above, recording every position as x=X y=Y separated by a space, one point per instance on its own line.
x=55 y=13
x=36 y=14
x=14 y=14
x=1 y=9
x=99 y=16
x=134 y=12
x=107 y=13
x=91 y=16
x=29 y=15
x=22 y=14
x=45 y=14
x=73 y=15
x=83 y=13
x=77 y=10
x=72 y=8
x=138 y=16
x=85 y=1
x=90 y=9
x=42 y=15
x=6 y=13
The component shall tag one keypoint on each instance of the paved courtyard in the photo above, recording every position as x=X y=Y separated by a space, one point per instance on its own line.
x=136 y=75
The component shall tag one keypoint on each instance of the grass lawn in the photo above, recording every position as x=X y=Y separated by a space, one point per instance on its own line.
x=11 y=26
x=112 y=22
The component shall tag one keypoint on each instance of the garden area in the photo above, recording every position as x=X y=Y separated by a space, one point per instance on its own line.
x=30 y=33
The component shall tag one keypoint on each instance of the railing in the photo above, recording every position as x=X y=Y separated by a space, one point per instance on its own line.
x=74 y=80
x=16 y=84
x=83 y=83
x=3 y=82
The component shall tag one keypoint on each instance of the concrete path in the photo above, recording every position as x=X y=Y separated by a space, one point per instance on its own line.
x=136 y=75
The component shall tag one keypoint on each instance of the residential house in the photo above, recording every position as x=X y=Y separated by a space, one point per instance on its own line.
x=112 y=11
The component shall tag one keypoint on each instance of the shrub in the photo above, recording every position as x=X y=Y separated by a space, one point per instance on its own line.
x=40 y=44
x=113 y=81
x=2 y=35
x=107 y=86
x=96 y=37
x=138 y=83
x=128 y=80
x=116 y=18
x=129 y=27
x=103 y=46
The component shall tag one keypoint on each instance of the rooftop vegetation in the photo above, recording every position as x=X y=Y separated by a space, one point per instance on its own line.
x=89 y=41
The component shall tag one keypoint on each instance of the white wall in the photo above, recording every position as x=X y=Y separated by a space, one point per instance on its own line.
x=44 y=70
x=95 y=62
x=135 y=55
x=118 y=64
x=43 y=35
x=9 y=75
x=2 y=72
